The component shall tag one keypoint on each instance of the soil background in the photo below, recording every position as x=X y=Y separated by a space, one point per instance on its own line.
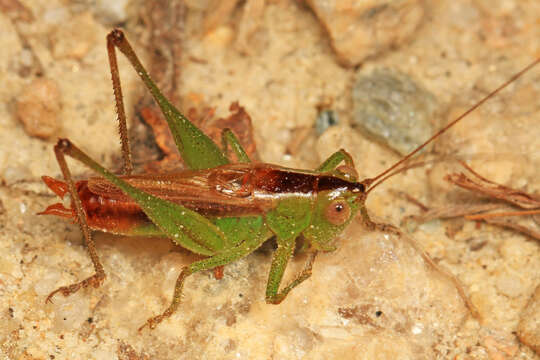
x=373 y=298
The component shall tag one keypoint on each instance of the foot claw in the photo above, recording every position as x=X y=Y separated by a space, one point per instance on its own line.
x=95 y=280
x=152 y=322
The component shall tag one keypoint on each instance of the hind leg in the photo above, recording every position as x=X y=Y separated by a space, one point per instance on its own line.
x=97 y=279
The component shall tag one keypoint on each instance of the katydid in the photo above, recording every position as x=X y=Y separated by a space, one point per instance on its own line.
x=218 y=209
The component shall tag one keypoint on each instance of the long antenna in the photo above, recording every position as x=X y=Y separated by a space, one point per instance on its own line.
x=452 y=123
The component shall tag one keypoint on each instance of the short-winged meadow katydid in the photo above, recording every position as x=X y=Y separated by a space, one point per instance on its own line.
x=218 y=209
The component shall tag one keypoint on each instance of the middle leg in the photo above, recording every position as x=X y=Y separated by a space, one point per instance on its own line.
x=218 y=260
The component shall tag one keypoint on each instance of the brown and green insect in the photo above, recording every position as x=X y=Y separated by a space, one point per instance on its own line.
x=218 y=209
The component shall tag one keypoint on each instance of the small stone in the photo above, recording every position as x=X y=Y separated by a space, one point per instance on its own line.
x=38 y=108
x=393 y=108
x=510 y=285
x=529 y=325
x=111 y=12
x=359 y=29
x=75 y=38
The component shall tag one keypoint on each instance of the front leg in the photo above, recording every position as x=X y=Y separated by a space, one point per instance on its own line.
x=279 y=264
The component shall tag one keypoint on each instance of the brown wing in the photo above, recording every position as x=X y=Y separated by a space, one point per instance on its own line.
x=223 y=191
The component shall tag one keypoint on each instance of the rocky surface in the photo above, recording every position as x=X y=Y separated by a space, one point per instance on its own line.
x=372 y=298
x=359 y=29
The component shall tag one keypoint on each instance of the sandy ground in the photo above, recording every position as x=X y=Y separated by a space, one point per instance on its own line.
x=374 y=298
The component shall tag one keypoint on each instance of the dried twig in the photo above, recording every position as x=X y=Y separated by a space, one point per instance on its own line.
x=494 y=190
x=514 y=226
x=528 y=204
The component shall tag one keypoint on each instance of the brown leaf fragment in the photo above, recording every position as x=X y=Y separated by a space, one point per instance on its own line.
x=239 y=122
x=171 y=158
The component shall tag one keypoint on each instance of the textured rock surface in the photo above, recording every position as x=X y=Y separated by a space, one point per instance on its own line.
x=359 y=29
x=373 y=297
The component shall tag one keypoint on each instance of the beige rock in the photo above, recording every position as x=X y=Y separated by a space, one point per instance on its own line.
x=359 y=29
x=510 y=285
x=38 y=108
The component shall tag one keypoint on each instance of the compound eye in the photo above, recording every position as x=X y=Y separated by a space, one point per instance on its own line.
x=348 y=171
x=338 y=212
